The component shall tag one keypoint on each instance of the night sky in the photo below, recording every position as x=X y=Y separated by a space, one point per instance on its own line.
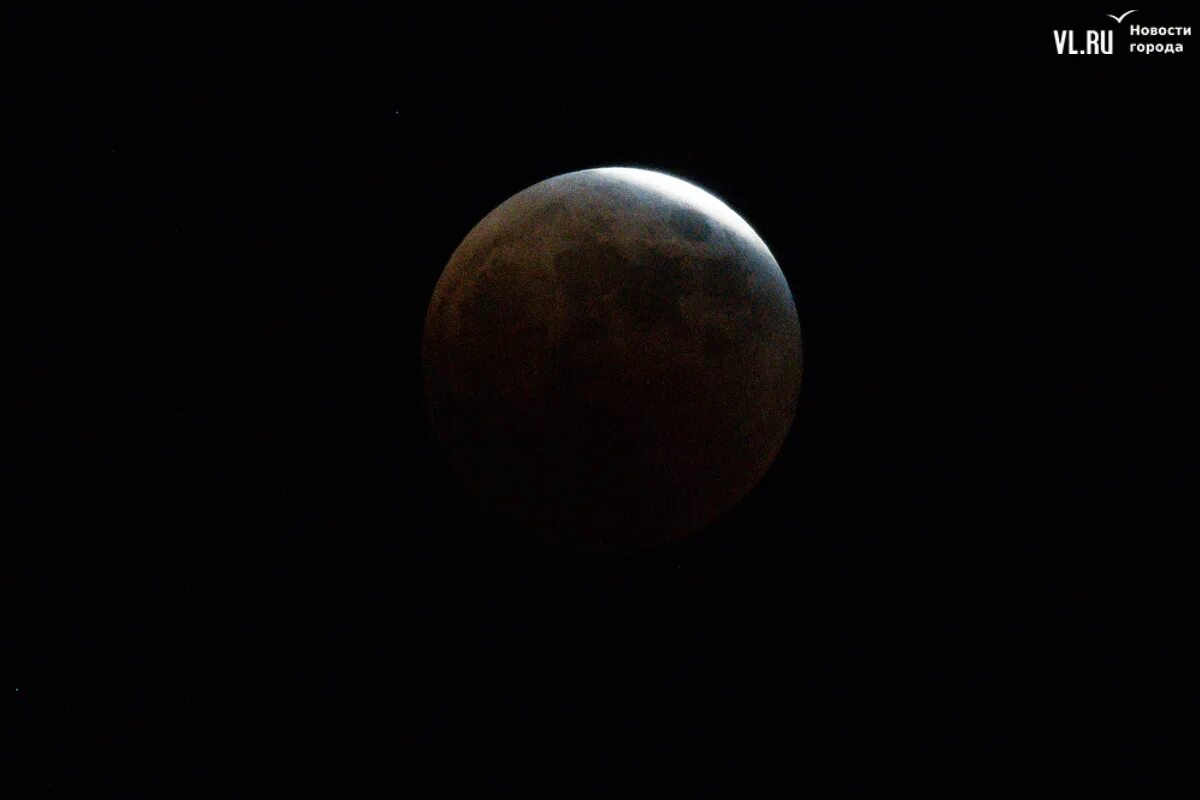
x=237 y=566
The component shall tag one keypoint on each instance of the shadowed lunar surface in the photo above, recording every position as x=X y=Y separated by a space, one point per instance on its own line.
x=611 y=358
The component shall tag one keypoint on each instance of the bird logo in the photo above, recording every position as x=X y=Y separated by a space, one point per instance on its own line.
x=1123 y=16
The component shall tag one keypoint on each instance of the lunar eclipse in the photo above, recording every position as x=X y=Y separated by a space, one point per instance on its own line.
x=612 y=358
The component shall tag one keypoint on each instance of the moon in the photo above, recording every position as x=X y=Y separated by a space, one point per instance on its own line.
x=611 y=359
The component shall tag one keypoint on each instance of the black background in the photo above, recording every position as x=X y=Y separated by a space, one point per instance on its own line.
x=236 y=566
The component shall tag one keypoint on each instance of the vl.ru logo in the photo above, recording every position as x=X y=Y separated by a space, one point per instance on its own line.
x=1092 y=43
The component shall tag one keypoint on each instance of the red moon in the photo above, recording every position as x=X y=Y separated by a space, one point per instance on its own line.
x=611 y=358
